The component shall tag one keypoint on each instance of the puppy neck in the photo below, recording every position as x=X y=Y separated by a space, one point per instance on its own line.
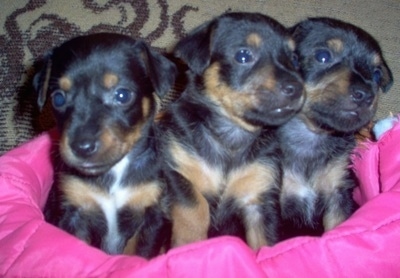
x=313 y=125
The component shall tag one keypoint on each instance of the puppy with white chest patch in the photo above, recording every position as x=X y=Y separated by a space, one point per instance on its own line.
x=108 y=191
x=343 y=69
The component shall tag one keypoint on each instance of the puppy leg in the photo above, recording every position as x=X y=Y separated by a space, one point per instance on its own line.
x=88 y=226
x=152 y=233
x=190 y=211
x=256 y=191
x=335 y=185
x=339 y=207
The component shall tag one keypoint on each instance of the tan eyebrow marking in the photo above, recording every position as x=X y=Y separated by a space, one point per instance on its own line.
x=110 y=80
x=254 y=40
x=336 y=44
x=65 y=83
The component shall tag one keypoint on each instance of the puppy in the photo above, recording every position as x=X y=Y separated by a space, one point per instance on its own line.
x=219 y=148
x=109 y=188
x=343 y=70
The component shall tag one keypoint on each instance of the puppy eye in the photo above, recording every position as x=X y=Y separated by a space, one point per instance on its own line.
x=123 y=96
x=377 y=76
x=323 y=56
x=244 y=56
x=58 y=98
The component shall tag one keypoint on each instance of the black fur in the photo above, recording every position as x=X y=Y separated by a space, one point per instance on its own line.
x=102 y=90
x=343 y=69
x=224 y=124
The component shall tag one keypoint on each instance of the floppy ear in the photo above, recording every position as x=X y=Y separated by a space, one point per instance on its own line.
x=41 y=81
x=195 y=48
x=161 y=71
x=299 y=30
x=387 y=78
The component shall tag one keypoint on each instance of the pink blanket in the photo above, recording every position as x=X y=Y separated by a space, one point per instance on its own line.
x=368 y=244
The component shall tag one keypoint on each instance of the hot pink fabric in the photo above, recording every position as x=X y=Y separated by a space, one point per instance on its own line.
x=365 y=245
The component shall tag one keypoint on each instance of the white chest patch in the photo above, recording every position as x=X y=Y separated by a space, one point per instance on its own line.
x=110 y=204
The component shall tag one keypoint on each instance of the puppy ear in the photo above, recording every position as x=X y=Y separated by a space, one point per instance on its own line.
x=195 y=48
x=41 y=81
x=300 y=30
x=387 y=78
x=161 y=71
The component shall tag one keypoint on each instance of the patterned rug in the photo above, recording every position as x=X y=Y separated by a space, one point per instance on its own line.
x=32 y=28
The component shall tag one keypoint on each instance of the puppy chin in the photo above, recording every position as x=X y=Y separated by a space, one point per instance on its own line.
x=93 y=166
x=274 y=117
x=343 y=121
x=88 y=168
x=280 y=116
x=92 y=169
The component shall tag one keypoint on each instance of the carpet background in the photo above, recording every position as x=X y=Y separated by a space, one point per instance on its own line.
x=30 y=28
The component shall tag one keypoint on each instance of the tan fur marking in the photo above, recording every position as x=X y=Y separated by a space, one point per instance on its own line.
x=328 y=89
x=332 y=219
x=248 y=183
x=233 y=103
x=159 y=116
x=109 y=139
x=292 y=184
x=328 y=179
x=130 y=247
x=114 y=145
x=143 y=195
x=329 y=86
x=65 y=83
x=270 y=81
x=110 y=80
x=190 y=224
x=204 y=178
x=81 y=194
x=336 y=45
x=66 y=152
x=146 y=107
x=64 y=146
x=134 y=135
x=254 y=40
x=311 y=125
x=255 y=235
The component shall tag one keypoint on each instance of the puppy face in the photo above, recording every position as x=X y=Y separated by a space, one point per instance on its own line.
x=343 y=69
x=247 y=67
x=101 y=88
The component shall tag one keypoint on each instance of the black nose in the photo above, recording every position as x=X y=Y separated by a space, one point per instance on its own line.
x=292 y=89
x=361 y=96
x=84 y=147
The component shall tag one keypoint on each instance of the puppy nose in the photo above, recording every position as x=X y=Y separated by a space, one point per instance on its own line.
x=292 y=89
x=360 y=96
x=84 y=148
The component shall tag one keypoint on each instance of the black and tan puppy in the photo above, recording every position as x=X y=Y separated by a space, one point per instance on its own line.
x=219 y=148
x=109 y=188
x=343 y=70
